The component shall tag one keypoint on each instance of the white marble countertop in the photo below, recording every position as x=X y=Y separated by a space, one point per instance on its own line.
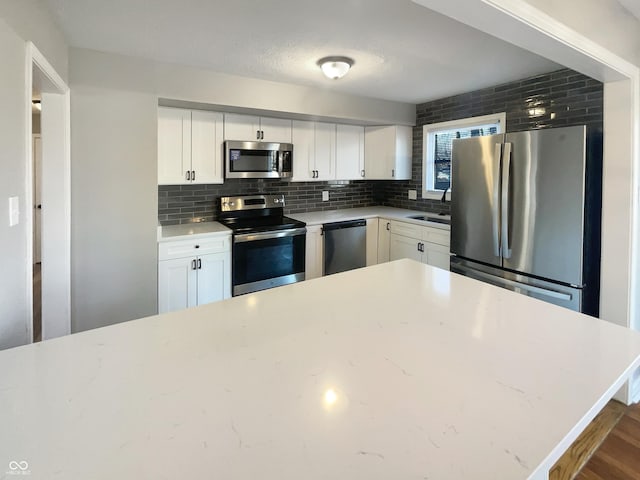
x=191 y=231
x=342 y=215
x=399 y=370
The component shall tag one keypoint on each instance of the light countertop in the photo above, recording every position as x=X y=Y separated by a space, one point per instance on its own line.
x=191 y=230
x=399 y=370
x=328 y=216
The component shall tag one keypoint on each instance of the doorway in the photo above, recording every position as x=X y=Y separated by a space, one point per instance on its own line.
x=48 y=199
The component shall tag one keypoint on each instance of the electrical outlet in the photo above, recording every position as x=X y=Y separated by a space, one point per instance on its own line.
x=14 y=211
x=325 y=196
x=413 y=194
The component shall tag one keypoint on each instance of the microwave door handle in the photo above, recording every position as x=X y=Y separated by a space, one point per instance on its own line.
x=506 y=186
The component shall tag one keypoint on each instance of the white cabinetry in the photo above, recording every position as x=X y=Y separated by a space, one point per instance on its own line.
x=314 y=253
x=254 y=128
x=388 y=152
x=350 y=152
x=425 y=244
x=189 y=146
x=314 y=151
x=193 y=272
x=372 y=241
x=384 y=237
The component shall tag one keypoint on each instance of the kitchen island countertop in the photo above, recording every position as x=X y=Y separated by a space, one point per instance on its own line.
x=399 y=370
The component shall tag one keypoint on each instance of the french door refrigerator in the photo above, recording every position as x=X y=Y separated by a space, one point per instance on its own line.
x=525 y=213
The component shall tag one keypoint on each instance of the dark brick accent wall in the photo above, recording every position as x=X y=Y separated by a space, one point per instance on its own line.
x=574 y=99
x=188 y=203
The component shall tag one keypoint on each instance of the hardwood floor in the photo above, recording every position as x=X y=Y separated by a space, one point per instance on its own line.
x=37 y=302
x=618 y=458
x=608 y=449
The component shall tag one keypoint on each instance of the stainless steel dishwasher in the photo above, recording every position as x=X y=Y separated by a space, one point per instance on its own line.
x=345 y=246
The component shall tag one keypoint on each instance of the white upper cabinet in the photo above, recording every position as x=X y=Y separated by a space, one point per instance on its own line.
x=254 y=128
x=325 y=148
x=304 y=154
x=350 y=152
x=189 y=146
x=174 y=146
x=388 y=152
x=206 y=147
x=314 y=151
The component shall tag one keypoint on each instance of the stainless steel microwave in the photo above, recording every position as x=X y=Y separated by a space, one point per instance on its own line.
x=258 y=159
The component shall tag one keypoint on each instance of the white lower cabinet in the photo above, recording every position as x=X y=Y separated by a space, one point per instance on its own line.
x=384 y=237
x=314 y=253
x=428 y=245
x=372 y=241
x=193 y=272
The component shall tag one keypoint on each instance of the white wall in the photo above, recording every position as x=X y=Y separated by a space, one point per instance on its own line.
x=20 y=21
x=14 y=309
x=31 y=20
x=114 y=168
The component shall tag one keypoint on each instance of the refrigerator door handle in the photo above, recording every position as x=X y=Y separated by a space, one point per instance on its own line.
x=495 y=200
x=478 y=275
x=506 y=186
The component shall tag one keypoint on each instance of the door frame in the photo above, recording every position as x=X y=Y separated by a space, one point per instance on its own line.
x=56 y=177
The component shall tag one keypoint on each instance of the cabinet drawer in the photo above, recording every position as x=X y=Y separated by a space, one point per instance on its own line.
x=406 y=229
x=190 y=248
x=436 y=235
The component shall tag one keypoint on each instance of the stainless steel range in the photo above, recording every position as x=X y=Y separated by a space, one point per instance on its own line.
x=268 y=248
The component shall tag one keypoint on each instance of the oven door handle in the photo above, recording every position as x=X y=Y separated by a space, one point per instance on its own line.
x=251 y=237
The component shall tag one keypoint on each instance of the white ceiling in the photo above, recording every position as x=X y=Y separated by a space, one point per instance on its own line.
x=402 y=51
x=633 y=6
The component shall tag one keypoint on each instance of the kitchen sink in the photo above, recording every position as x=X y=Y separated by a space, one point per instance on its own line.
x=430 y=218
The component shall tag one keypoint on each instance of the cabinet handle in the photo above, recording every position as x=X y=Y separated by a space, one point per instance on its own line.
x=393 y=173
x=193 y=264
x=199 y=264
x=188 y=175
x=261 y=134
x=388 y=225
x=257 y=134
x=193 y=175
x=362 y=173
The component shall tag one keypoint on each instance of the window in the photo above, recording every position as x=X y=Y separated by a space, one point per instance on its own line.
x=436 y=151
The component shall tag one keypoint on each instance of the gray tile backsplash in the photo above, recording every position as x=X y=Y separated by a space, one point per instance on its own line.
x=574 y=98
x=189 y=203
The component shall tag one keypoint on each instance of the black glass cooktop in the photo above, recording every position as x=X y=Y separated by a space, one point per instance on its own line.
x=260 y=224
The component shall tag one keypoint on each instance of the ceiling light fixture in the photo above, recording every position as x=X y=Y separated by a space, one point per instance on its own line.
x=335 y=67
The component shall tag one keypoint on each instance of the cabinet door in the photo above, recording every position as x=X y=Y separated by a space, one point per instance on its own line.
x=388 y=152
x=214 y=277
x=206 y=147
x=244 y=128
x=176 y=284
x=174 y=146
x=275 y=130
x=314 y=254
x=384 y=233
x=436 y=255
x=325 y=151
x=404 y=247
x=372 y=241
x=304 y=155
x=349 y=152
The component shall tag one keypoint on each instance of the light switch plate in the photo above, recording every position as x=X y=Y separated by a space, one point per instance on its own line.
x=325 y=196
x=413 y=194
x=14 y=211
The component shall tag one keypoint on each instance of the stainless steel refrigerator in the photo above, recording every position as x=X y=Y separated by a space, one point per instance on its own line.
x=525 y=213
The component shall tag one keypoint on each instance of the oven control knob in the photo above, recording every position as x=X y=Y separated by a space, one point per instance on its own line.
x=276 y=200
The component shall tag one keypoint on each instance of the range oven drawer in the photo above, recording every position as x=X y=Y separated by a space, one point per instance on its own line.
x=267 y=259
